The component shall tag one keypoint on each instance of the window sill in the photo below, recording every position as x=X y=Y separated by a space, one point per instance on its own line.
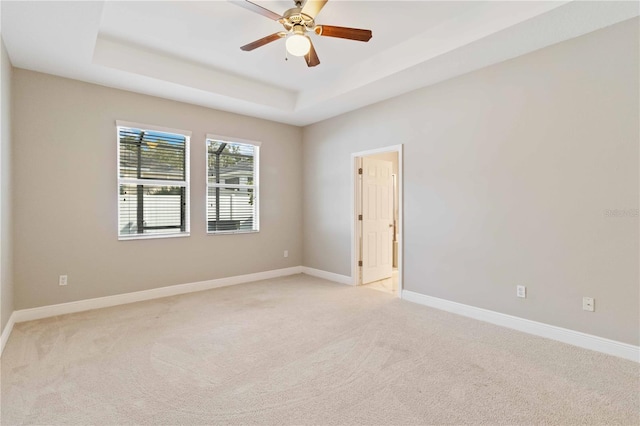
x=232 y=232
x=152 y=237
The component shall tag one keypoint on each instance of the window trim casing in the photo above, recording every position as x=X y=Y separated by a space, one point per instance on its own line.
x=256 y=180
x=186 y=184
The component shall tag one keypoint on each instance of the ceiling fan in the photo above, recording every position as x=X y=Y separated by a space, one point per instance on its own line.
x=297 y=22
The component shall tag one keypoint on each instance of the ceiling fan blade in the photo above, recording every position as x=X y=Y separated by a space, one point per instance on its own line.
x=263 y=41
x=343 y=32
x=312 y=57
x=257 y=9
x=313 y=7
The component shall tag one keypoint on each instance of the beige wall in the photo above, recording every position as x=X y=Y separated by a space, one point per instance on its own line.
x=6 y=231
x=509 y=173
x=66 y=195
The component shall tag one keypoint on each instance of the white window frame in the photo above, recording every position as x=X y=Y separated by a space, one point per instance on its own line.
x=255 y=186
x=129 y=181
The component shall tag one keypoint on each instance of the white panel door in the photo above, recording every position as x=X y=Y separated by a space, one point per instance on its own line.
x=377 y=220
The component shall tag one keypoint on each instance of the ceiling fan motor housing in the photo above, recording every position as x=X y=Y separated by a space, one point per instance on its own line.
x=295 y=18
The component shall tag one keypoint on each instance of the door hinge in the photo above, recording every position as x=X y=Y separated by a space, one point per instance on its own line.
x=360 y=171
x=359 y=217
x=359 y=262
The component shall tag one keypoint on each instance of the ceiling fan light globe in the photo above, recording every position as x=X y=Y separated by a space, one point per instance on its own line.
x=298 y=45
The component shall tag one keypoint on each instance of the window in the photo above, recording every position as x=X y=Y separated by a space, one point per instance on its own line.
x=153 y=181
x=232 y=186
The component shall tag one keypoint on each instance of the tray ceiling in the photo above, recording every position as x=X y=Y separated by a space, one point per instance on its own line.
x=189 y=50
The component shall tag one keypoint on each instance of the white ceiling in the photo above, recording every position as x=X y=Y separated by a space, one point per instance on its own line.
x=189 y=50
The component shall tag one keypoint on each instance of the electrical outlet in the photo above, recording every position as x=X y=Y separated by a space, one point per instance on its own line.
x=588 y=304
x=62 y=280
x=286 y=253
x=521 y=291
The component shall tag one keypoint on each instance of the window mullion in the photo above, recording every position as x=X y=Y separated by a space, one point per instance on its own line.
x=139 y=153
x=140 y=209
x=152 y=182
x=183 y=208
x=230 y=185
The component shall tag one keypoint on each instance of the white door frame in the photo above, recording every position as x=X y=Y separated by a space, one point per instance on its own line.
x=355 y=247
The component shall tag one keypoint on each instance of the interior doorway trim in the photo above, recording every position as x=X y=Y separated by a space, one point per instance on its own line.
x=355 y=247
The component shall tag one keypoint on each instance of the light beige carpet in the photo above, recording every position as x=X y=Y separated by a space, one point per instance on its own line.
x=300 y=350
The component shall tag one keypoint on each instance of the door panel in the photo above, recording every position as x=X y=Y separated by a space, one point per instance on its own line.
x=372 y=259
x=377 y=222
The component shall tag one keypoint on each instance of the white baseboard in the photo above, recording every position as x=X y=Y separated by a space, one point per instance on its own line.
x=342 y=279
x=7 y=331
x=138 y=296
x=576 y=338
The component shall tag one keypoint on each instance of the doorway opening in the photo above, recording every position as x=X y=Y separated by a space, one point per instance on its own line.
x=377 y=228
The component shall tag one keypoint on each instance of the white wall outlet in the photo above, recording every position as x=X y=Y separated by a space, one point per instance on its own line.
x=62 y=280
x=588 y=304
x=286 y=253
x=521 y=291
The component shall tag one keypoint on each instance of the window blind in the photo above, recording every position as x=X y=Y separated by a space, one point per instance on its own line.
x=232 y=190
x=152 y=183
